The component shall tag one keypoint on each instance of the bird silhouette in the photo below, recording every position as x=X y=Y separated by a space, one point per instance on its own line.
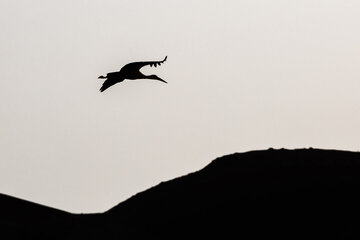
x=130 y=71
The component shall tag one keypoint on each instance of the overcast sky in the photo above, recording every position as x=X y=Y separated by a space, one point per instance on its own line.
x=243 y=75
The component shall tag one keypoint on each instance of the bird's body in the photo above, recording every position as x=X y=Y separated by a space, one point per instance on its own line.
x=130 y=71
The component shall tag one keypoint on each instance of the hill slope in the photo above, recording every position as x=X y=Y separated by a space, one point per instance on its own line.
x=21 y=219
x=283 y=194
x=292 y=194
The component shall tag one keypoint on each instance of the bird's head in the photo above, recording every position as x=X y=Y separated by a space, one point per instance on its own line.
x=156 y=78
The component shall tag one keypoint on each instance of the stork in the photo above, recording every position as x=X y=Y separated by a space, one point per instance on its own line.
x=130 y=71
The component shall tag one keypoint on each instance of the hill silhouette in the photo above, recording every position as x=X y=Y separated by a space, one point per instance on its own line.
x=20 y=219
x=282 y=194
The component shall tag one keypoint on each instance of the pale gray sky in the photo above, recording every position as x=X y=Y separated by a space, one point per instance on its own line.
x=242 y=75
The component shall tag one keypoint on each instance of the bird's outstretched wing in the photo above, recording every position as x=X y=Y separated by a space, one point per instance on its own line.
x=138 y=65
x=108 y=83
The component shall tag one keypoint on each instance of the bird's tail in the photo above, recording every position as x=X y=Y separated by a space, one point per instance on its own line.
x=101 y=77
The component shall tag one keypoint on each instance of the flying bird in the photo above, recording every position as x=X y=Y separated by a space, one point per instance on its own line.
x=130 y=71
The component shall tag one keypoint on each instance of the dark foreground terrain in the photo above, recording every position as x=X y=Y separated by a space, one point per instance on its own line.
x=278 y=194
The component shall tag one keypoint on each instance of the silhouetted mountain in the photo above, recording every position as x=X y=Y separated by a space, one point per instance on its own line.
x=20 y=218
x=281 y=194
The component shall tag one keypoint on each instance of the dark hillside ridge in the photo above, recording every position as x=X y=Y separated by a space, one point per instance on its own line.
x=15 y=207
x=280 y=194
x=20 y=219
